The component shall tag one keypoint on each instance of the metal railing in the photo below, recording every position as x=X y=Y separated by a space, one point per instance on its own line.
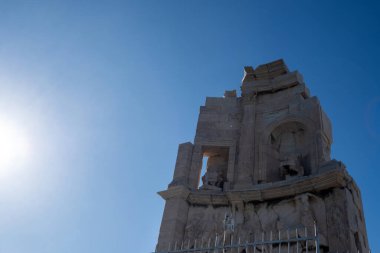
x=286 y=241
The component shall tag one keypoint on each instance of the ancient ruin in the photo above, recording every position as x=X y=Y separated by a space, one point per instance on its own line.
x=268 y=177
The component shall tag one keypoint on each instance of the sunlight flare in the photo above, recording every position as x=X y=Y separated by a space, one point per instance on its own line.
x=14 y=145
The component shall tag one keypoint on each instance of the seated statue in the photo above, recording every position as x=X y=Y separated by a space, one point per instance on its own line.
x=212 y=180
x=290 y=166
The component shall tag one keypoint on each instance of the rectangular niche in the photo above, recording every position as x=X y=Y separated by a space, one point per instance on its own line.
x=217 y=167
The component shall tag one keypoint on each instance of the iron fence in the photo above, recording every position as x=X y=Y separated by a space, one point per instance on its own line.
x=296 y=240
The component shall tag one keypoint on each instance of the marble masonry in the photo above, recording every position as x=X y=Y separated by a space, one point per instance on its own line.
x=268 y=166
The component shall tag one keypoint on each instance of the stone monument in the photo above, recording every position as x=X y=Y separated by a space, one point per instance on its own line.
x=268 y=167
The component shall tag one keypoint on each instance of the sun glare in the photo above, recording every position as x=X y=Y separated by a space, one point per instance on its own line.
x=14 y=145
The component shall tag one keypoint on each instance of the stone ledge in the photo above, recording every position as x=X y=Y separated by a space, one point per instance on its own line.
x=331 y=178
x=179 y=191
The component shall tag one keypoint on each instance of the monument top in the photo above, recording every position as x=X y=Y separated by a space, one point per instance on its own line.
x=266 y=71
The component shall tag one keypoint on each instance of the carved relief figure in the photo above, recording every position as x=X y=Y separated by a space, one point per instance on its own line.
x=288 y=141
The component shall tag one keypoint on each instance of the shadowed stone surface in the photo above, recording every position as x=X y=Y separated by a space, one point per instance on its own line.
x=268 y=167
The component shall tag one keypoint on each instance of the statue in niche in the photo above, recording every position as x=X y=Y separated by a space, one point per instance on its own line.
x=288 y=145
x=214 y=177
x=290 y=166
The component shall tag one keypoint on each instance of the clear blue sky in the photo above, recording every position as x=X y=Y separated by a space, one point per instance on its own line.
x=106 y=90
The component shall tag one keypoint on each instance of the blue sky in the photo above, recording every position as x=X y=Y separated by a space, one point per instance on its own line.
x=104 y=92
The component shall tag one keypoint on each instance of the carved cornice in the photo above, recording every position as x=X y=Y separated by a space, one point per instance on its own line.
x=326 y=180
x=175 y=192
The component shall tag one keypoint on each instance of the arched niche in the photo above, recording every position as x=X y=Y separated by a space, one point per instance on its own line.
x=290 y=148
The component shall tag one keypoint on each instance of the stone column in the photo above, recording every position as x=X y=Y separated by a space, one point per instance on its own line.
x=183 y=164
x=196 y=167
x=246 y=147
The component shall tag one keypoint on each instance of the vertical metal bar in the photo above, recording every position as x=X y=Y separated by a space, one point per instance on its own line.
x=297 y=240
x=279 y=239
x=262 y=240
x=209 y=242
x=188 y=244
x=224 y=238
x=307 y=250
x=316 y=238
x=175 y=246
x=182 y=245
x=315 y=229
x=271 y=239
x=246 y=246
x=238 y=247
x=288 y=241
x=317 y=249
x=169 y=246
x=216 y=242
x=195 y=244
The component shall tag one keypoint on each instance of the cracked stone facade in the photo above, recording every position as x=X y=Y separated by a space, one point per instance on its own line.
x=268 y=166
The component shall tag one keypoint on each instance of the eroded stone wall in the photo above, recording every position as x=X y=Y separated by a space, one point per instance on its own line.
x=336 y=212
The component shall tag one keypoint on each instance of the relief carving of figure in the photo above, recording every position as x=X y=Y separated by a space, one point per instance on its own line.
x=288 y=142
